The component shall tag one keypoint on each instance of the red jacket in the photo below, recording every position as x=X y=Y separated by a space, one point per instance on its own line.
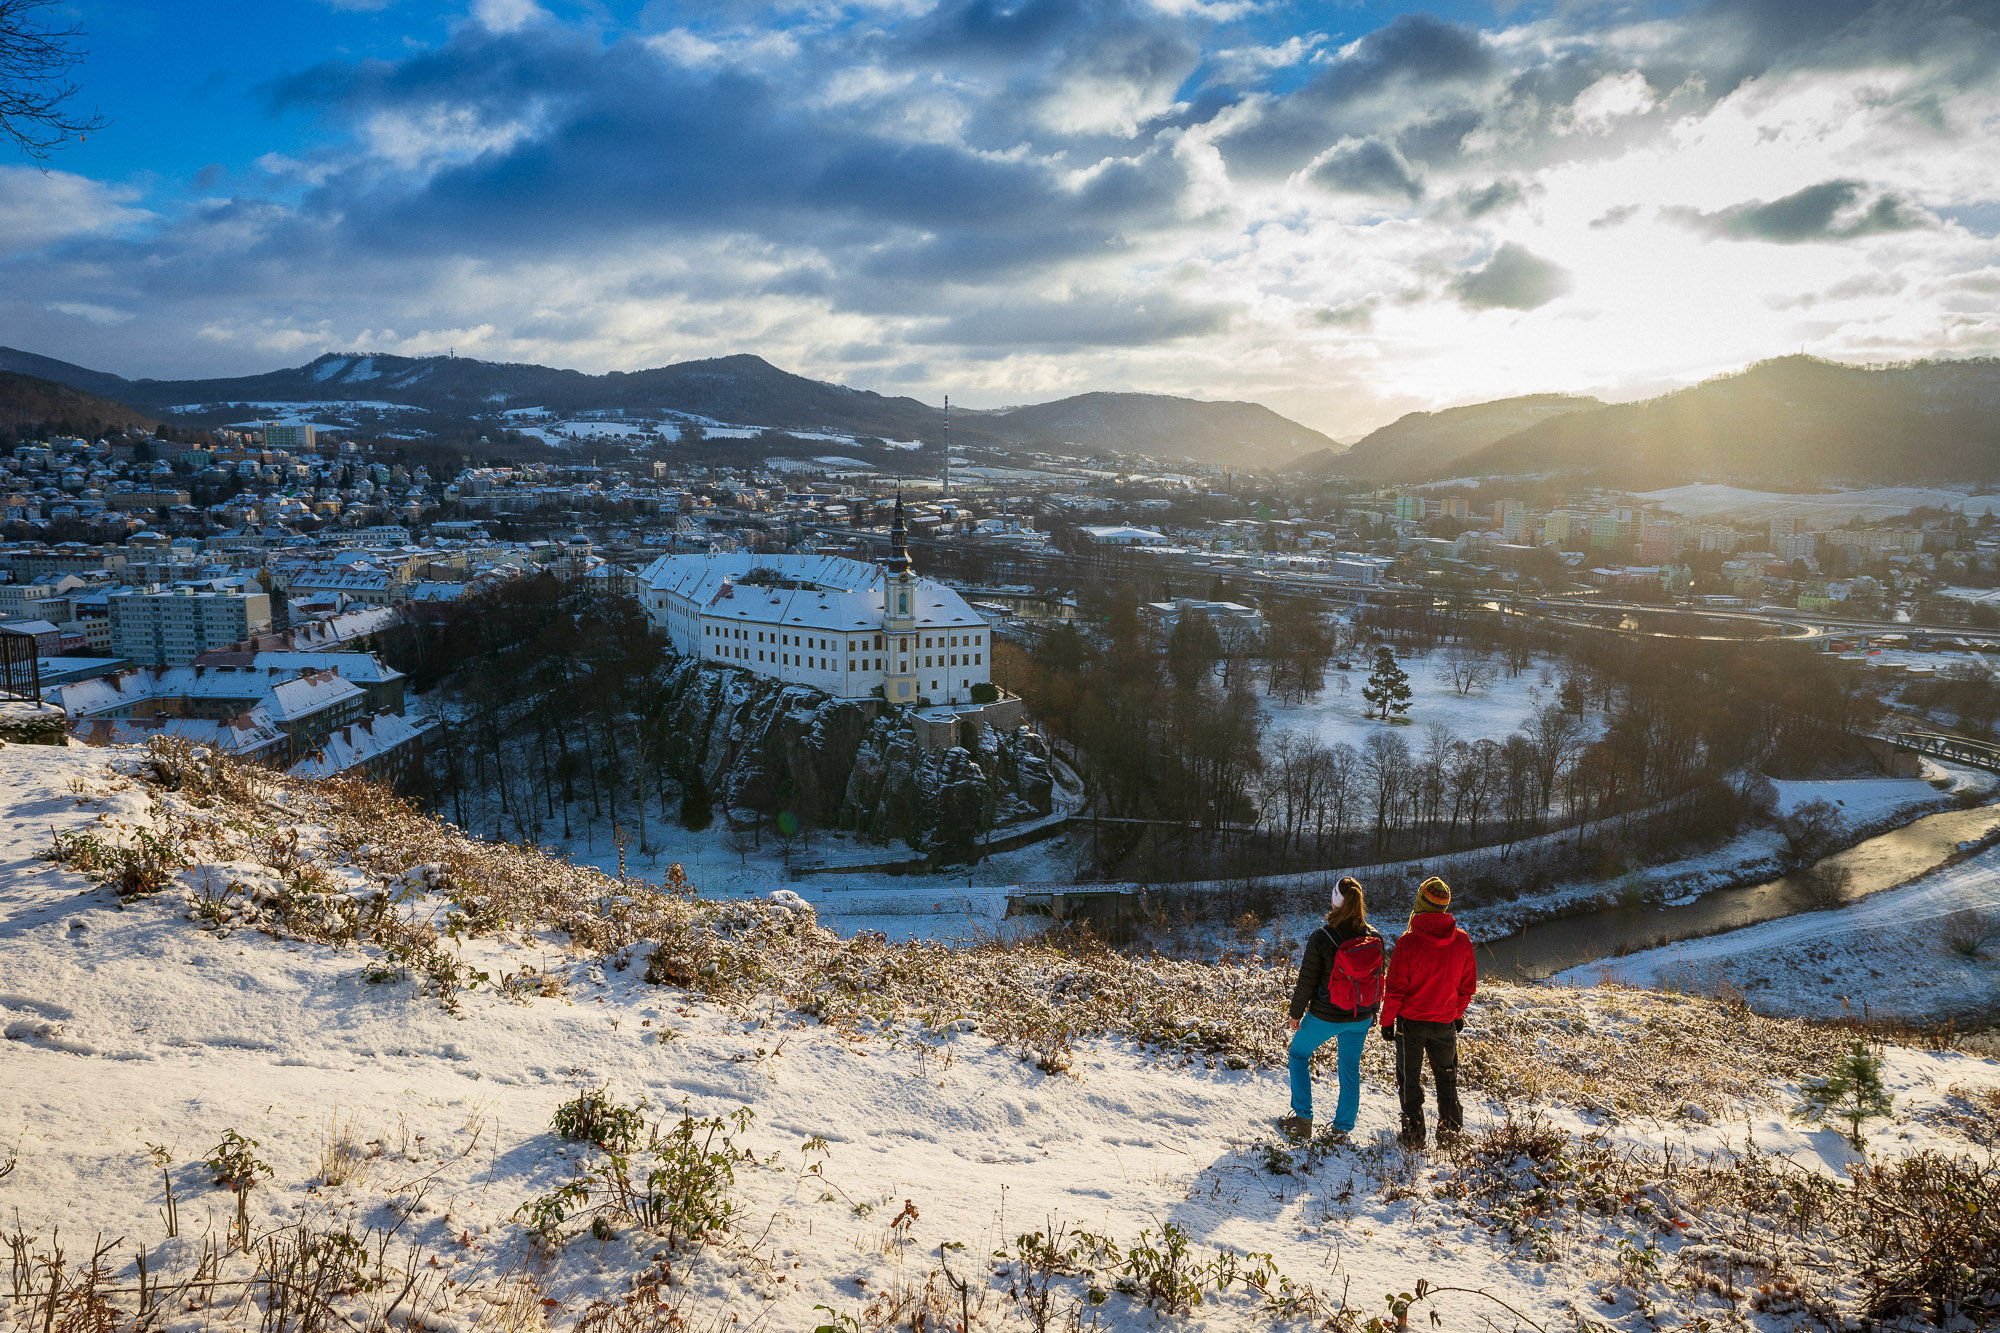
x=1431 y=974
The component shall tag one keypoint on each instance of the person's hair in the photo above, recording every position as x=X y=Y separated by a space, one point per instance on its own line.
x=1352 y=909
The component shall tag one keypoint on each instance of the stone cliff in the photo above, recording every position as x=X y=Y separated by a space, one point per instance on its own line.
x=764 y=747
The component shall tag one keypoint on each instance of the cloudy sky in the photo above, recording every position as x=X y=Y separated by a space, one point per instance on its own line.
x=1344 y=210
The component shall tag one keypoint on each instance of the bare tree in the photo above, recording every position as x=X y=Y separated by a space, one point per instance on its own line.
x=1468 y=669
x=36 y=58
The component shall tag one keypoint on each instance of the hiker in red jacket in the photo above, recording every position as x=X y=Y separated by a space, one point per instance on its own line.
x=1334 y=998
x=1431 y=980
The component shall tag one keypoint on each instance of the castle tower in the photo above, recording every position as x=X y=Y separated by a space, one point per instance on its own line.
x=899 y=616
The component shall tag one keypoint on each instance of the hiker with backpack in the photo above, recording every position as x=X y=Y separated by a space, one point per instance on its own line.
x=1432 y=977
x=1334 y=998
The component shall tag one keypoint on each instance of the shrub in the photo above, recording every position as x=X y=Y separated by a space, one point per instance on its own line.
x=1970 y=932
x=683 y=1194
x=984 y=692
x=145 y=867
x=1927 y=1232
x=1824 y=887
x=234 y=1163
x=594 y=1118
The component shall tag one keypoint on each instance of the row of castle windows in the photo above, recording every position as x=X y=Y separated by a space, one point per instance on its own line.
x=853 y=646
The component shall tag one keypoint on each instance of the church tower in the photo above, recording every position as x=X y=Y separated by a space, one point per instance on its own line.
x=899 y=616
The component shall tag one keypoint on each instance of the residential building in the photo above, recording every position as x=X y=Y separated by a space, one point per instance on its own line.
x=293 y=436
x=173 y=628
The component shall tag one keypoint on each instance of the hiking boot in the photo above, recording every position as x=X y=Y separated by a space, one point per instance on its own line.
x=1297 y=1128
x=1333 y=1138
x=1412 y=1139
x=1449 y=1135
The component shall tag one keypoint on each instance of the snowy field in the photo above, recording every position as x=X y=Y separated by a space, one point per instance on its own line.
x=1829 y=509
x=1888 y=954
x=882 y=1155
x=964 y=905
x=1340 y=715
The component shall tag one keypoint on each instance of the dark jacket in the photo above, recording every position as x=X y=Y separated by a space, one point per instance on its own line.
x=1309 y=991
x=1432 y=974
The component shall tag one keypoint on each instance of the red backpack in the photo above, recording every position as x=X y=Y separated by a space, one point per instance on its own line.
x=1354 y=982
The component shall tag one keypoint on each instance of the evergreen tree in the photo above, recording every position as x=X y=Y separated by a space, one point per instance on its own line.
x=1388 y=687
x=1852 y=1091
x=697 y=806
x=1192 y=649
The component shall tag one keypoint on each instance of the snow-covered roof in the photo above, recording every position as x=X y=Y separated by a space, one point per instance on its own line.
x=357 y=743
x=246 y=733
x=361 y=668
x=820 y=592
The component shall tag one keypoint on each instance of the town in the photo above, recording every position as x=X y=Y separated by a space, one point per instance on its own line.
x=994 y=666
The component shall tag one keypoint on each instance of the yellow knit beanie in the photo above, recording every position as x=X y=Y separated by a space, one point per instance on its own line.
x=1433 y=895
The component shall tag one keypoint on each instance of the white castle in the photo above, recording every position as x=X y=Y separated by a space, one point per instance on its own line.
x=847 y=628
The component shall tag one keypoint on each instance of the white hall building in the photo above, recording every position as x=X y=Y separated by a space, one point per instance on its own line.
x=852 y=630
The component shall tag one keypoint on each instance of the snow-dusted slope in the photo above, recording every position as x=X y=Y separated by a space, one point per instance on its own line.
x=891 y=1149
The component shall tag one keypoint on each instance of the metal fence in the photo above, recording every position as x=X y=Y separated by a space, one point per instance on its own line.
x=20 y=667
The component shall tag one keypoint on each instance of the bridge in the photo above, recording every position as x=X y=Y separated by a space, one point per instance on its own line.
x=1938 y=745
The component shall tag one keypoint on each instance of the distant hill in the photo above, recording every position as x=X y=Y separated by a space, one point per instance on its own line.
x=1425 y=445
x=743 y=390
x=26 y=400
x=1794 y=421
x=1150 y=423
x=62 y=372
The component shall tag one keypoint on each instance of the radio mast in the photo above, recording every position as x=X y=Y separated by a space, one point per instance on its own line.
x=947 y=446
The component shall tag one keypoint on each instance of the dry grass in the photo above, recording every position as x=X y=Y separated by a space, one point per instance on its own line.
x=1614 y=1050
x=342 y=1157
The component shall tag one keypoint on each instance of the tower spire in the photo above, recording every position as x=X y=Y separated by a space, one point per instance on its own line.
x=899 y=540
x=947 y=444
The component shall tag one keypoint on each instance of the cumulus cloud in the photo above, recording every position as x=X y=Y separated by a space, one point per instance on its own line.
x=1043 y=196
x=40 y=208
x=1829 y=211
x=1368 y=166
x=1513 y=279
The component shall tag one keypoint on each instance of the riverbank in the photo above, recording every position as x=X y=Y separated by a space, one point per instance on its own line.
x=1925 y=952
x=1872 y=807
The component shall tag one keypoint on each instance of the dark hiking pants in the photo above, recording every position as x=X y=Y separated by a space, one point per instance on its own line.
x=1437 y=1042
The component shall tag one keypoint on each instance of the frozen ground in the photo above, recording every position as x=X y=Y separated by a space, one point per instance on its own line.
x=1891 y=953
x=966 y=904
x=1338 y=715
x=882 y=1154
x=1824 y=509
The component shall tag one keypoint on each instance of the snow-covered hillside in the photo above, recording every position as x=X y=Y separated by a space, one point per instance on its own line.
x=853 y=1134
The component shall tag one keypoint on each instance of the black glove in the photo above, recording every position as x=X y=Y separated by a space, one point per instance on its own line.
x=1458 y=1024
x=1388 y=1033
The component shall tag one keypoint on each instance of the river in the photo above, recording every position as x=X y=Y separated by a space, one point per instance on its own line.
x=1878 y=863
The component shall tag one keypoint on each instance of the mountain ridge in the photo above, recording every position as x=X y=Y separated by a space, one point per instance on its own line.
x=742 y=388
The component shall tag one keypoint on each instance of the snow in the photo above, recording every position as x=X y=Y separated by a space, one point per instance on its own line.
x=127 y=1027
x=1886 y=954
x=331 y=369
x=1829 y=509
x=1339 y=717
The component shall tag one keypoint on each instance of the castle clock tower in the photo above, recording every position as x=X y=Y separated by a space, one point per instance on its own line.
x=899 y=616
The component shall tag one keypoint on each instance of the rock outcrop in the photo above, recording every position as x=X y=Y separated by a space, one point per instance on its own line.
x=766 y=748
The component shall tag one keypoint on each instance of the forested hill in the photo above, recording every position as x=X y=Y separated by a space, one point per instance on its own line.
x=1796 y=421
x=1246 y=434
x=1427 y=444
x=27 y=401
